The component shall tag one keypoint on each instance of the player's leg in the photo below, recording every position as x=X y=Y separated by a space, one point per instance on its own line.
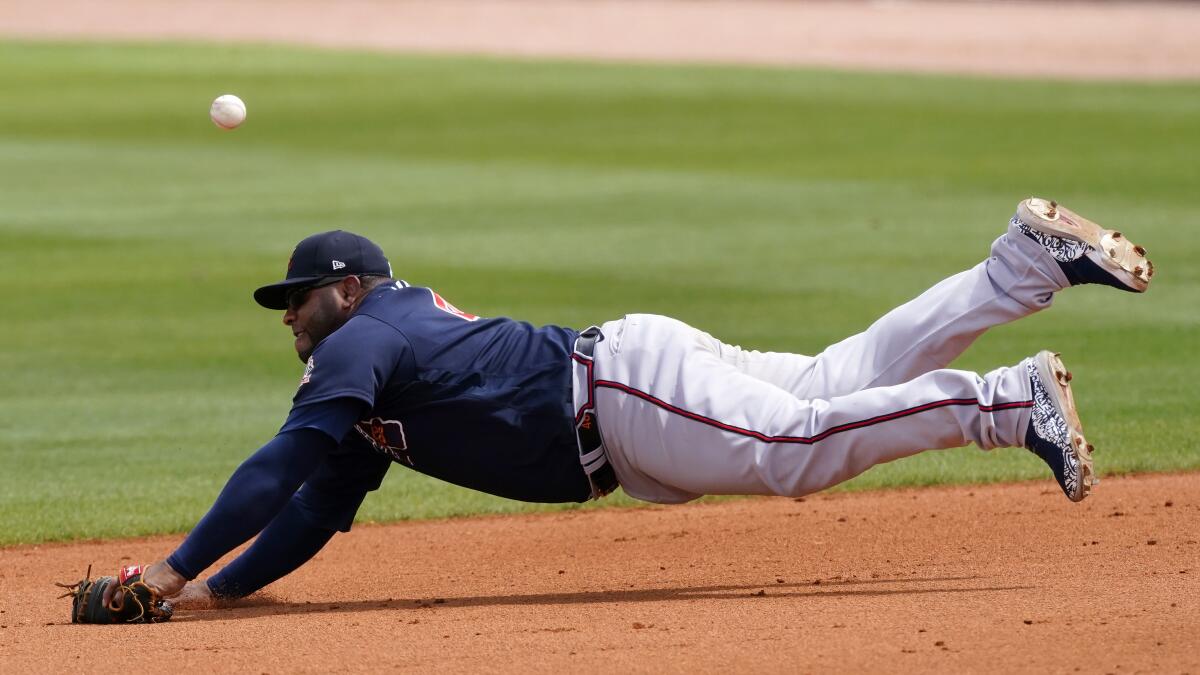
x=679 y=421
x=929 y=331
x=1046 y=248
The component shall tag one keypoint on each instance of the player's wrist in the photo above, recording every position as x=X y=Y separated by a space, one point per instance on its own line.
x=162 y=577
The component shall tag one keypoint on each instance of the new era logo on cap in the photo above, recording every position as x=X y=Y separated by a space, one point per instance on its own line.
x=321 y=256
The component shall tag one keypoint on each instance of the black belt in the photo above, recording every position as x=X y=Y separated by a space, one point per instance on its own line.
x=592 y=454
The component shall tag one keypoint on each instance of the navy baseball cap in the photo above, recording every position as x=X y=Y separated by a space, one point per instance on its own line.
x=328 y=255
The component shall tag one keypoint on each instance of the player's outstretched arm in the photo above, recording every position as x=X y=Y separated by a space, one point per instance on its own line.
x=263 y=484
x=258 y=490
x=326 y=504
x=286 y=544
x=254 y=495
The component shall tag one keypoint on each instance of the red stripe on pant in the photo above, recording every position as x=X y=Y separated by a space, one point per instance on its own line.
x=878 y=419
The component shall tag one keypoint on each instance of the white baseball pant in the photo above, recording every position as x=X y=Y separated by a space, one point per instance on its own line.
x=683 y=414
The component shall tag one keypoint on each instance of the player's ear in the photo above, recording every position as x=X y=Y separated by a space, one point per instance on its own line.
x=349 y=290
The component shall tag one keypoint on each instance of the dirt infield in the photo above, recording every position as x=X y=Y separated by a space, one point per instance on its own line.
x=1137 y=40
x=979 y=579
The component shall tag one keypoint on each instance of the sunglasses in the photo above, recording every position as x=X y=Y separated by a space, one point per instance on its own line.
x=297 y=297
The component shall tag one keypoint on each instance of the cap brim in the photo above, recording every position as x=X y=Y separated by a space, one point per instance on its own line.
x=274 y=296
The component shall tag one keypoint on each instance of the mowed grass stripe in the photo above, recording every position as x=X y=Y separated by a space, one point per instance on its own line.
x=778 y=209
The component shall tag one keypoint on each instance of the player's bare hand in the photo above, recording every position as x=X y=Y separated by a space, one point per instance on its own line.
x=158 y=576
x=194 y=594
x=165 y=580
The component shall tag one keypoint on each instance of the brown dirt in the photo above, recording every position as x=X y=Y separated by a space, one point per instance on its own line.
x=980 y=579
x=985 y=578
x=1076 y=39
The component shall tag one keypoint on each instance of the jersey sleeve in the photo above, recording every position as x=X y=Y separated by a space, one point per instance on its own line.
x=334 y=416
x=356 y=361
x=334 y=492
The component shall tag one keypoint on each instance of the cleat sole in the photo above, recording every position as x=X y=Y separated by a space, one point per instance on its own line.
x=1057 y=380
x=1122 y=258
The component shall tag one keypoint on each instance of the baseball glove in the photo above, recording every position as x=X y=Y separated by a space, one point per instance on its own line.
x=133 y=602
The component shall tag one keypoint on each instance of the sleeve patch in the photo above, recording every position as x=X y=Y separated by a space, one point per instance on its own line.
x=385 y=436
x=308 y=368
x=442 y=304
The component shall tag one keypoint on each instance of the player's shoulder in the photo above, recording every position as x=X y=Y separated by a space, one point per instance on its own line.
x=369 y=329
x=407 y=308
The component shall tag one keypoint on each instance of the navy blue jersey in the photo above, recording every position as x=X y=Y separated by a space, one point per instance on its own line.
x=482 y=403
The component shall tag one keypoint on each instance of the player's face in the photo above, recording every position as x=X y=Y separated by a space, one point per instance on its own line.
x=313 y=315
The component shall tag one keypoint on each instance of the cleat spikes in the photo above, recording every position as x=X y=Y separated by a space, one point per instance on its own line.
x=1086 y=252
x=1055 y=433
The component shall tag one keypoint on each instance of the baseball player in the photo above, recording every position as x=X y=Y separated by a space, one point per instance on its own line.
x=395 y=374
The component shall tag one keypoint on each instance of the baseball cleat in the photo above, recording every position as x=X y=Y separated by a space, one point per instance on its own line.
x=1055 y=433
x=1086 y=252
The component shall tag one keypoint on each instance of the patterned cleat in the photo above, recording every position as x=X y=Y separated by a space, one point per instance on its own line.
x=1055 y=433
x=1086 y=252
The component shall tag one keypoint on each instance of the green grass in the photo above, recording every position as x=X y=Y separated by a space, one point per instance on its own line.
x=778 y=209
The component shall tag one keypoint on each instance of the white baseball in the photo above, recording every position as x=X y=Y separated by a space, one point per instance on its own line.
x=228 y=111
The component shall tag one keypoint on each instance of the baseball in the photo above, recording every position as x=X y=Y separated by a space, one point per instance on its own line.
x=228 y=111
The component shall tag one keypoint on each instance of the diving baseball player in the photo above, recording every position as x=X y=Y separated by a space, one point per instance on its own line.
x=395 y=374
